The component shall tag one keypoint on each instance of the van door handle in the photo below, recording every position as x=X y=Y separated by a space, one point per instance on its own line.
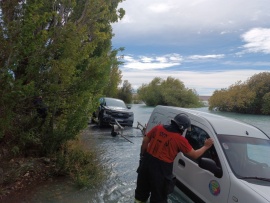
x=181 y=162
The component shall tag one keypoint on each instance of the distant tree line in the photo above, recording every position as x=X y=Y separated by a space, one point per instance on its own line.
x=251 y=96
x=169 y=92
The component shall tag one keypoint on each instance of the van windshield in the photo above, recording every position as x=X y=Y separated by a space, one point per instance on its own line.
x=248 y=157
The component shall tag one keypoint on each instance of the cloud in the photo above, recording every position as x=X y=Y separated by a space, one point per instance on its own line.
x=163 y=61
x=129 y=59
x=154 y=62
x=211 y=43
x=172 y=18
x=212 y=56
x=145 y=59
x=197 y=75
x=138 y=65
x=257 y=40
x=160 y=8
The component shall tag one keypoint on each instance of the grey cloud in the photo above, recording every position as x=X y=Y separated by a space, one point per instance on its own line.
x=159 y=16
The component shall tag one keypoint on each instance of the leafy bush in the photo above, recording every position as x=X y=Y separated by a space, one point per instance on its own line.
x=170 y=92
x=81 y=165
x=266 y=103
x=251 y=96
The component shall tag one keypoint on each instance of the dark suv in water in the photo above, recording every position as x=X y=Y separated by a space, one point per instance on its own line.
x=111 y=109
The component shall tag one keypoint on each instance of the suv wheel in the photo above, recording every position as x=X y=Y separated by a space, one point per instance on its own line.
x=100 y=122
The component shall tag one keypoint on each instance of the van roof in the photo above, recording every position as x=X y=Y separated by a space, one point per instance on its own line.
x=221 y=124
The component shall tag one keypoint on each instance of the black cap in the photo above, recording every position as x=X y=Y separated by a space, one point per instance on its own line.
x=182 y=121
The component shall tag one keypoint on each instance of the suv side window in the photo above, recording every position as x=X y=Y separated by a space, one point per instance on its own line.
x=196 y=138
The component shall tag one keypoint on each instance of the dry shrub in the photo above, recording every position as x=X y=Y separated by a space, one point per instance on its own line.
x=80 y=164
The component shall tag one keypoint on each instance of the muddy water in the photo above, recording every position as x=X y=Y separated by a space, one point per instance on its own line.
x=120 y=159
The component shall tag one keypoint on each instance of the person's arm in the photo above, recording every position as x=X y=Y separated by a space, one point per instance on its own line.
x=195 y=154
x=144 y=145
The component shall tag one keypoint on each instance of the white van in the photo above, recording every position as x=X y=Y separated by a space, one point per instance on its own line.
x=235 y=169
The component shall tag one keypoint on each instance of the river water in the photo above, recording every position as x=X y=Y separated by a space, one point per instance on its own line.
x=120 y=159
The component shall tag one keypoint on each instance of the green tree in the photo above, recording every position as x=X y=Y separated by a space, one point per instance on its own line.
x=266 y=103
x=174 y=93
x=60 y=50
x=125 y=92
x=115 y=79
x=237 y=97
x=251 y=96
x=150 y=94
x=171 y=92
x=217 y=100
x=259 y=84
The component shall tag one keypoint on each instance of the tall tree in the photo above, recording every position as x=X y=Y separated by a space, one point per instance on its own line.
x=111 y=89
x=125 y=92
x=60 y=51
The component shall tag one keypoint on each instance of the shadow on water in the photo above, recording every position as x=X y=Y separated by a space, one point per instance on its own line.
x=120 y=159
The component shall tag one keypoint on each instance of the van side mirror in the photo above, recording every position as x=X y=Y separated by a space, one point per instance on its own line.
x=128 y=106
x=210 y=165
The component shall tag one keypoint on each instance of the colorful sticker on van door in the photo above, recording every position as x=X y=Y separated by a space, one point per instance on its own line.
x=214 y=187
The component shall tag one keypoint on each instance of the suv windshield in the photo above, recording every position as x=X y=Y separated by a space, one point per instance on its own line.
x=248 y=157
x=115 y=102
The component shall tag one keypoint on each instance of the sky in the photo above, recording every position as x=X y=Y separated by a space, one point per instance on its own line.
x=207 y=44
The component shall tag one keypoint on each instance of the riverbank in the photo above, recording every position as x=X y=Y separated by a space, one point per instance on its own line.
x=19 y=175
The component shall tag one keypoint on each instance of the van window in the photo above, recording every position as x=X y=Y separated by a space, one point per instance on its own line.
x=259 y=153
x=247 y=156
x=196 y=138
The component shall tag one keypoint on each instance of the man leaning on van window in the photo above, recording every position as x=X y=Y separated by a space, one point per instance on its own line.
x=159 y=148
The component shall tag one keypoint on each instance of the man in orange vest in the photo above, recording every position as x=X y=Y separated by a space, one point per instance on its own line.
x=159 y=148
